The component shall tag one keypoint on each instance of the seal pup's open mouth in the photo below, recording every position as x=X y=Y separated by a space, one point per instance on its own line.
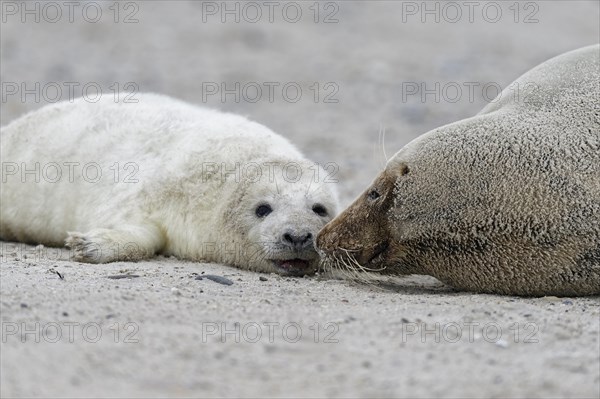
x=294 y=267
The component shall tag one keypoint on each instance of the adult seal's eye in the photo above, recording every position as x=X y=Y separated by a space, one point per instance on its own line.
x=404 y=170
x=263 y=210
x=319 y=210
x=373 y=195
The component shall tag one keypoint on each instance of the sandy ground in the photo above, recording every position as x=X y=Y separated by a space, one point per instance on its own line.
x=70 y=330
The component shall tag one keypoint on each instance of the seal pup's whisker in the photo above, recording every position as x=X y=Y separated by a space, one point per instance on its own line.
x=314 y=190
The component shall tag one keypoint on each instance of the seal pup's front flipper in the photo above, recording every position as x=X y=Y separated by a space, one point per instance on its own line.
x=124 y=243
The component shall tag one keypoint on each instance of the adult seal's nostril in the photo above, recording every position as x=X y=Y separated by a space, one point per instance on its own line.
x=297 y=241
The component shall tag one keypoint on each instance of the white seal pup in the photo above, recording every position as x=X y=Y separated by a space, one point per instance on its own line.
x=122 y=181
x=505 y=202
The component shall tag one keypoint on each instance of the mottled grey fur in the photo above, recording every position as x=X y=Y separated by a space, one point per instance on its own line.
x=508 y=201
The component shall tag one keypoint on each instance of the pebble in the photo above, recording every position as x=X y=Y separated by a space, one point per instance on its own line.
x=120 y=276
x=216 y=279
x=551 y=299
x=262 y=278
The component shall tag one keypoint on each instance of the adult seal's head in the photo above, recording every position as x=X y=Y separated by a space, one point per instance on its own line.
x=505 y=202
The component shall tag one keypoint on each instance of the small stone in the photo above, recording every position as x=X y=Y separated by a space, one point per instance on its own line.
x=24 y=305
x=263 y=278
x=65 y=314
x=120 y=276
x=216 y=279
x=551 y=298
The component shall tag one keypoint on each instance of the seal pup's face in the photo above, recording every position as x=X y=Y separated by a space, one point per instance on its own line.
x=279 y=217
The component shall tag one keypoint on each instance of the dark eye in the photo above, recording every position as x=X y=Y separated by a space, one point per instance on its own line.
x=263 y=210
x=373 y=195
x=319 y=210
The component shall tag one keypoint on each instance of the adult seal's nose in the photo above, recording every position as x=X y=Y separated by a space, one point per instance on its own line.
x=297 y=241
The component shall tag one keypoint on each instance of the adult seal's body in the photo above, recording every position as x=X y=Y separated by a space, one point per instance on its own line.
x=505 y=202
x=126 y=181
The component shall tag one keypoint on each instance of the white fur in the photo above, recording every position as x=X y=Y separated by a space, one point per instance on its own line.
x=181 y=205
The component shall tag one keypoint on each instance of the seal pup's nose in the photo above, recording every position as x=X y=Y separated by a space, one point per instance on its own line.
x=297 y=241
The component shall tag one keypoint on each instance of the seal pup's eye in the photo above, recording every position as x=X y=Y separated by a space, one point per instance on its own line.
x=373 y=195
x=263 y=210
x=319 y=210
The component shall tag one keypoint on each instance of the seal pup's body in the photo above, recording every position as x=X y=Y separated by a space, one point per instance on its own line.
x=505 y=202
x=161 y=176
